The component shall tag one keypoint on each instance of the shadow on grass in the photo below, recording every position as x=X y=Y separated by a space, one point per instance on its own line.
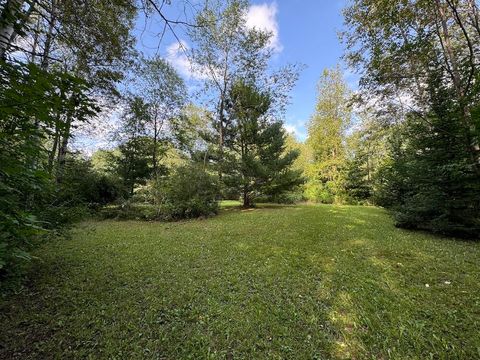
x=323 y=282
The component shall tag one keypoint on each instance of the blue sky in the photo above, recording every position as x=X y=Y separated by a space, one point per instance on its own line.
x=304 y=31
x=308 y=31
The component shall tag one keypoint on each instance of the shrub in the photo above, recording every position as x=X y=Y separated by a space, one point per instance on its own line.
x=188 y=193
x=290 y=197
x=318 y=191
x=131 y=211
x=82 y=185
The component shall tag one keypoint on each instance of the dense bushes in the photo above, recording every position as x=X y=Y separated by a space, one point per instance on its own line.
x=81 y=184
x=188 y=192
x=31 y=184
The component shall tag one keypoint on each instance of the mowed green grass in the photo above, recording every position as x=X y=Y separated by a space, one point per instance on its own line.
x=291 y=282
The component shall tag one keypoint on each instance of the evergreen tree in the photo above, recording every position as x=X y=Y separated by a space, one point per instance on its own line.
x=224 y=49
x=256 y=162
x=420 y=58
x=431 y=182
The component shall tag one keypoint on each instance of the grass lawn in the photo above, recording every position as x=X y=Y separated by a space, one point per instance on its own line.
x=291 y=282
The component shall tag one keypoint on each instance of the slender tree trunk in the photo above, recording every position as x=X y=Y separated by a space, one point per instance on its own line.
x=246 y=197
x=221 y=134
x=10 y=14
x=49 y=37
x=154 y=154
x=51 y=156
x=35 y=41
x=62 y=150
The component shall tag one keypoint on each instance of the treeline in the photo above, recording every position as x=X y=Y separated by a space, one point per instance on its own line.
x=66 y=64
x=409 y=139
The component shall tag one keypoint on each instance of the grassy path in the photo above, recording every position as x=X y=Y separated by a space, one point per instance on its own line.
x=298 y=282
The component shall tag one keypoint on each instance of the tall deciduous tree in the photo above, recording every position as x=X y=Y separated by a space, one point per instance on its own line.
x=133 y=162
x=326 y=135
x=366 y=154
x=224 y=49
x=396 y=45
x=163 y=92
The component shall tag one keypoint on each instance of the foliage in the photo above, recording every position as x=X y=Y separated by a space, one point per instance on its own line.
x=83 y=185
x=30 y=100
x=133 y=164
x=160 y=92
x=366 y=154
x=256 y=162
x=224 y=50
x=189 y=192
x=326 y=139
x=425 y=53
x=130 y=210
x=430 y=182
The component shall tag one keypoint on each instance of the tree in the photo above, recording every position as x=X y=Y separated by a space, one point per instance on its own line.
x=302 y=161
x=256 y=162
x=163 y=92
x=420 y=58
x=366 y=152
x=326 y=136
x=225 y=49
x=430 y=183
x=50 y=32
x=134 y=161
x=29 y=201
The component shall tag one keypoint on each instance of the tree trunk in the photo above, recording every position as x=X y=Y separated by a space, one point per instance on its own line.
x=221 y=134
x=49 y=38
x=62 y=150
x=35 y=42
x=10 y=14
x=154 y=154
x=246 y=197
x=51 y=156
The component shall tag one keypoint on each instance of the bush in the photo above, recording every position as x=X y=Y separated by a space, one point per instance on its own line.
x=131 y=211
x=318 y=191
x=290 y=197
x=82 y=185
x=189 y=192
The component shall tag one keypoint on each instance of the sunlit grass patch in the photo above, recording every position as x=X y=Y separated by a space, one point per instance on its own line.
x=279 y=282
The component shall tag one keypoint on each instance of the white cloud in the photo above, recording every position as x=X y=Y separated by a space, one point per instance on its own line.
x=264 y=17
x=296 y=130
x=177 y=57
x=290 y=129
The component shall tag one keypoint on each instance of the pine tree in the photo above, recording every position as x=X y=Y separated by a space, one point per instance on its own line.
x=431 y=182
x=256 y=162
